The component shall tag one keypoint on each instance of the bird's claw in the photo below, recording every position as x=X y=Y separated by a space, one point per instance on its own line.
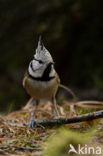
x=31 y=124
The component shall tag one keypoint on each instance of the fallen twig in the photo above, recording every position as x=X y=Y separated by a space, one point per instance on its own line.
x=66 y=120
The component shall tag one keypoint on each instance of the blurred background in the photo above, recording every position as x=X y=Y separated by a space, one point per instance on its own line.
x=72 y=30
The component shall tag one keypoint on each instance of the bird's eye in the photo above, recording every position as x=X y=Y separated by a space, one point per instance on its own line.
x=40 y=61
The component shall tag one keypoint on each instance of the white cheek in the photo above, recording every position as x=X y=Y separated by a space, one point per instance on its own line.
x=35 y=65
x=30 y=71
x=37 y=70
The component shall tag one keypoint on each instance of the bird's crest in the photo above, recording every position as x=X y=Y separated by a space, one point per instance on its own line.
x=42 y=53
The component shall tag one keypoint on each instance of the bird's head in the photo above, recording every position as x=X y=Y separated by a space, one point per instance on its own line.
x=42 y=60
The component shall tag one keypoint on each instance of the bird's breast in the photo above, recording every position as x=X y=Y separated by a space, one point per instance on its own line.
x=41 y=89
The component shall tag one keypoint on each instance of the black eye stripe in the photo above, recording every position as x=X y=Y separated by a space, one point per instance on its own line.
x=40 y=61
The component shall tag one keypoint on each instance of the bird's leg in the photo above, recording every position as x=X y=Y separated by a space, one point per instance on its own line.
x=31 y=123
x=30 y=103
x=55 y=106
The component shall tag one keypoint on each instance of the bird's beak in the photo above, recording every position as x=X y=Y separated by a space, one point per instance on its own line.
x=52 y=62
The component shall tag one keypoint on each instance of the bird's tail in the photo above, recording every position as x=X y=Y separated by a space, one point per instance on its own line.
x=68 y=90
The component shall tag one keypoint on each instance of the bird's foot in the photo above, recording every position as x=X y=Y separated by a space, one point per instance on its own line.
x=31 y=124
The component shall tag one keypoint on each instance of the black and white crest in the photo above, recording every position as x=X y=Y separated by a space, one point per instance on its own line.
x=42 y=53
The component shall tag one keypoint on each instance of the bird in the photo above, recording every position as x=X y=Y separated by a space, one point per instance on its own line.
x=41 y=80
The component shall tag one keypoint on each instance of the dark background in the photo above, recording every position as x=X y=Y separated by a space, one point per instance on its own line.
x=72 y=30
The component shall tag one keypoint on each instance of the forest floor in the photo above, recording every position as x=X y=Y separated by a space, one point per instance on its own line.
x=24 y=141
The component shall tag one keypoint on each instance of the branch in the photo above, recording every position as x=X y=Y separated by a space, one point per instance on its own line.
x=69 y=120
x=66 y=120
